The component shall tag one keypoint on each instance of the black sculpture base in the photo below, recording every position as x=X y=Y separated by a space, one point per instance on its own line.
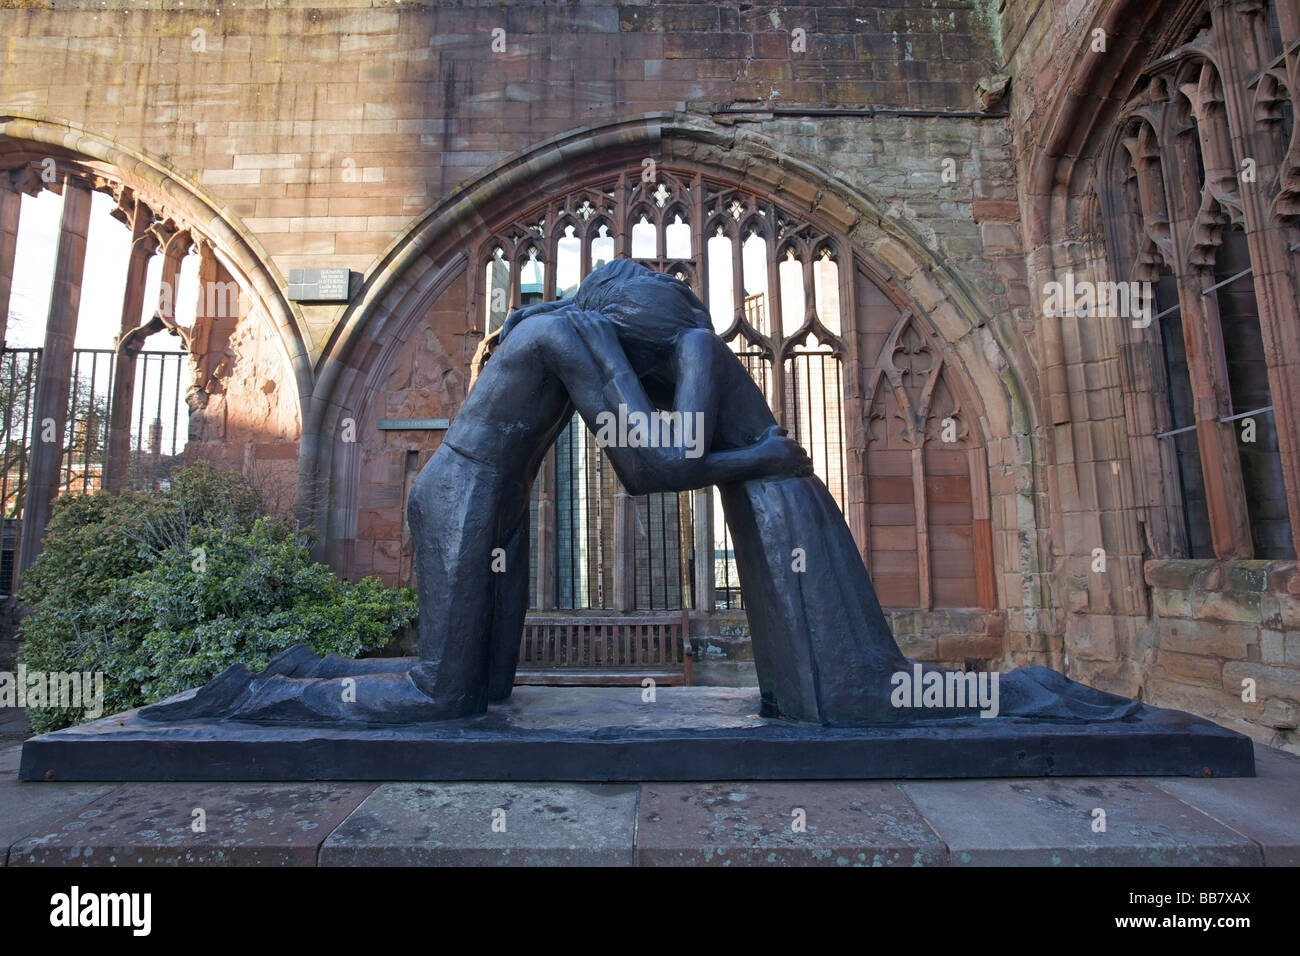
x=607 y=733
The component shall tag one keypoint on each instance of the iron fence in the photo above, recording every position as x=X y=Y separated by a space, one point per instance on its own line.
x=159 y=429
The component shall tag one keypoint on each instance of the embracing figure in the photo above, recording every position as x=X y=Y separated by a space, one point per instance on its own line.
x=635 y=340
x=628 y=333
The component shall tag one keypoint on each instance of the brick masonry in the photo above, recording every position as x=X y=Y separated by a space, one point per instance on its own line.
x=328 y=131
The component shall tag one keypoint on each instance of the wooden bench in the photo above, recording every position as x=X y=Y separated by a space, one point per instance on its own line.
x=579 y=650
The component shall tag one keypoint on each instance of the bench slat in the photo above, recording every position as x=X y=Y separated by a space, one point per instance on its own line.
x=605 y=650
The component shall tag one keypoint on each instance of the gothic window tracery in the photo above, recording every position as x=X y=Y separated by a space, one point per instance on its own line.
x=1187 y=187
x=776 y=288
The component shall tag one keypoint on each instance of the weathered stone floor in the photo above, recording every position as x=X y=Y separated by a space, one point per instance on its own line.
x=1148 y=822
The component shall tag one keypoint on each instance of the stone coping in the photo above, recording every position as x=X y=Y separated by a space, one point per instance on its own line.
x=1209 y=574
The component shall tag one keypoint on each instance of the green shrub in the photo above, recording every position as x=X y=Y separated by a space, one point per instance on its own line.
x=94 y=540
x=164 y=590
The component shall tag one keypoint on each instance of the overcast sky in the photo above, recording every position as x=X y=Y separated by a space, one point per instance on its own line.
x=103 y=284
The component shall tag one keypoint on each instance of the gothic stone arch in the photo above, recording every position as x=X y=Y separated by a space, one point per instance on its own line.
x=241 y=319
x=406 y=348
x=1135 y=176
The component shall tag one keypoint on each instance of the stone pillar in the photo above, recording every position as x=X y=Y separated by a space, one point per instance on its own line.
x=856 y=511
x=1225 y=492
x=1288 y=16
x=777 y=323
x=199 y=335
x=11 y=201
x=1240 y=34
x=218 y=302
x=1216 y=441
x=55 y=377
x=175 y=248
x=703 y=549
x=117 y=464
x=624 y=552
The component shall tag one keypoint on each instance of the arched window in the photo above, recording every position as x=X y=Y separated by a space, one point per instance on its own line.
x=104 y=367
x=779 y=290
x=1207 y=420
x=778 y=318
x=782 y=320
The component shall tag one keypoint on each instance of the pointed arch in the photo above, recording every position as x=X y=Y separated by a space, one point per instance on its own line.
x=434 y=270
x=166 y=189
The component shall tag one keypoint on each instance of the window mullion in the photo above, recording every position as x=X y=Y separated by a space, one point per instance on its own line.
x=1216 y=442
x=775 y=328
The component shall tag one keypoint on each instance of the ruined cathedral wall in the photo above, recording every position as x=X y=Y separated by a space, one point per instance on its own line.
x=326 y=133
x=244 y=412
x=1216 y=636
x=1099 y=625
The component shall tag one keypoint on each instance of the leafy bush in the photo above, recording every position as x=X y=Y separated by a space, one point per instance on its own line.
x=93 y=540
x=164 y=590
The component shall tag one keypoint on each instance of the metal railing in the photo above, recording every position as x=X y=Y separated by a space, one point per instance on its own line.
x=159 y=429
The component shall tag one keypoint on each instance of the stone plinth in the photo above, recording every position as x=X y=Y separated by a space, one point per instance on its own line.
x=611 y=734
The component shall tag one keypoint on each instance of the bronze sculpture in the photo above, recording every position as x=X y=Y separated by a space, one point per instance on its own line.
x=639 y=340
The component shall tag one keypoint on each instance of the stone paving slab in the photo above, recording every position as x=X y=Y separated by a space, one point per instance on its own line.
x=1265 y=809
x=1050 y=823
x=26 y=808
x=488 y=824
x=754 y=824
x=153 y=825
x=1149 y=822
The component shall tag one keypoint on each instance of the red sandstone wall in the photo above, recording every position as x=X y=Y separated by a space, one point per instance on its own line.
x=246 y=416
x=427 y=378
x=327 y=130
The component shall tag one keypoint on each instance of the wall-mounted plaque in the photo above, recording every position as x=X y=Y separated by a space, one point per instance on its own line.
x=320 y=285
